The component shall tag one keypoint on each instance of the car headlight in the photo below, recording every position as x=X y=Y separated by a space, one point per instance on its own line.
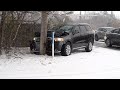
x=58 y=39
x=34 y=38
x=105 y=37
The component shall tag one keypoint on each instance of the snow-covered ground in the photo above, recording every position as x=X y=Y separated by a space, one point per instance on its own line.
x=102 y=62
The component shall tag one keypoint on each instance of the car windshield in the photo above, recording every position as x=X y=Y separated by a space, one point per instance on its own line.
x=106 y=29
x=109 y=29
x=61 y=31
x=64 y=29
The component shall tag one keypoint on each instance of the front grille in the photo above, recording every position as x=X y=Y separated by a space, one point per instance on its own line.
x=49 y=44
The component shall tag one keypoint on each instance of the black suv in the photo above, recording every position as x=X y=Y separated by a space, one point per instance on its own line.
x=67 y=38
x=100 y=33
x=113 y=38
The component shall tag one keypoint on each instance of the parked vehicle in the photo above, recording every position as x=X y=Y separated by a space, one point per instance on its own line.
x=100 y=33
x=113 y=38
x=67 y=38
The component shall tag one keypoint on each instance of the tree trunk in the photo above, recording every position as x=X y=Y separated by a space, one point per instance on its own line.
x=43 y=33
x=1 y=29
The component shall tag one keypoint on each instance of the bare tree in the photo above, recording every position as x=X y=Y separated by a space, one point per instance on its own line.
x=59 y=18
x=20 y=20
x=10 y=24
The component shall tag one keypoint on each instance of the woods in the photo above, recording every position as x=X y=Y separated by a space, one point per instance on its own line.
x=11 y=22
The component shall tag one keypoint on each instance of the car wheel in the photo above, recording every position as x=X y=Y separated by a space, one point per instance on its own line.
x=66 y=49
x=89 y=47
x=37 y=53
x=96 y=38
x=108 y=43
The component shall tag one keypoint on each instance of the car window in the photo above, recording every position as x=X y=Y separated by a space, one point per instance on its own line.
x=119 y=31
x=109 y=29
x=88 y=28
x=104 y=30
x=100 y=29
x=76 y=30
x=82 y=29
x=115 y=31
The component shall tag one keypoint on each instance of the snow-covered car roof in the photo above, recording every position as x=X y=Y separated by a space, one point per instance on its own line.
x=78 y=24
x=106 y=27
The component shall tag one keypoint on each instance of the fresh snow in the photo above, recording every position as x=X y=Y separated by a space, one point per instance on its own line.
x=102 y=62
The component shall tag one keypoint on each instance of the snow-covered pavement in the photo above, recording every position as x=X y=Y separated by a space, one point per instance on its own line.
x=102 y=62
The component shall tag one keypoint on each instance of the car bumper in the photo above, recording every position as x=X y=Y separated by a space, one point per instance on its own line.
x=57 y=47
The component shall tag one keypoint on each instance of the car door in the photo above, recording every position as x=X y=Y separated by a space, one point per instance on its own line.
x=76 y=37
x=83 y=35
x=103 y=32
x=90 y=33
x=100 y=32
x=115 y=36
x=119 y=37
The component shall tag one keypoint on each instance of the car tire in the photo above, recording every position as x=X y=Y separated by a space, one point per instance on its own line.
x=89 y=46
x=108 y=43
x=96 y=38
x=37 y=53
x=66 y=49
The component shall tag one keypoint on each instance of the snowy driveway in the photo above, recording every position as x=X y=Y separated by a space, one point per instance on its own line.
x=102 y=62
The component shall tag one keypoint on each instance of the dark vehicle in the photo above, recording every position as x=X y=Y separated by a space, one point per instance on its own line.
x=67 y=38
x=100 y=33
x=113 y=38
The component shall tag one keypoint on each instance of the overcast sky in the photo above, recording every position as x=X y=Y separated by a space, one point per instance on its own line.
x=117 y=13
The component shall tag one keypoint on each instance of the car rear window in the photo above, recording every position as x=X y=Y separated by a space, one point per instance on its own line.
x=102 y=29
x=105 y=29
x=110 y=29
x=115 y=31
